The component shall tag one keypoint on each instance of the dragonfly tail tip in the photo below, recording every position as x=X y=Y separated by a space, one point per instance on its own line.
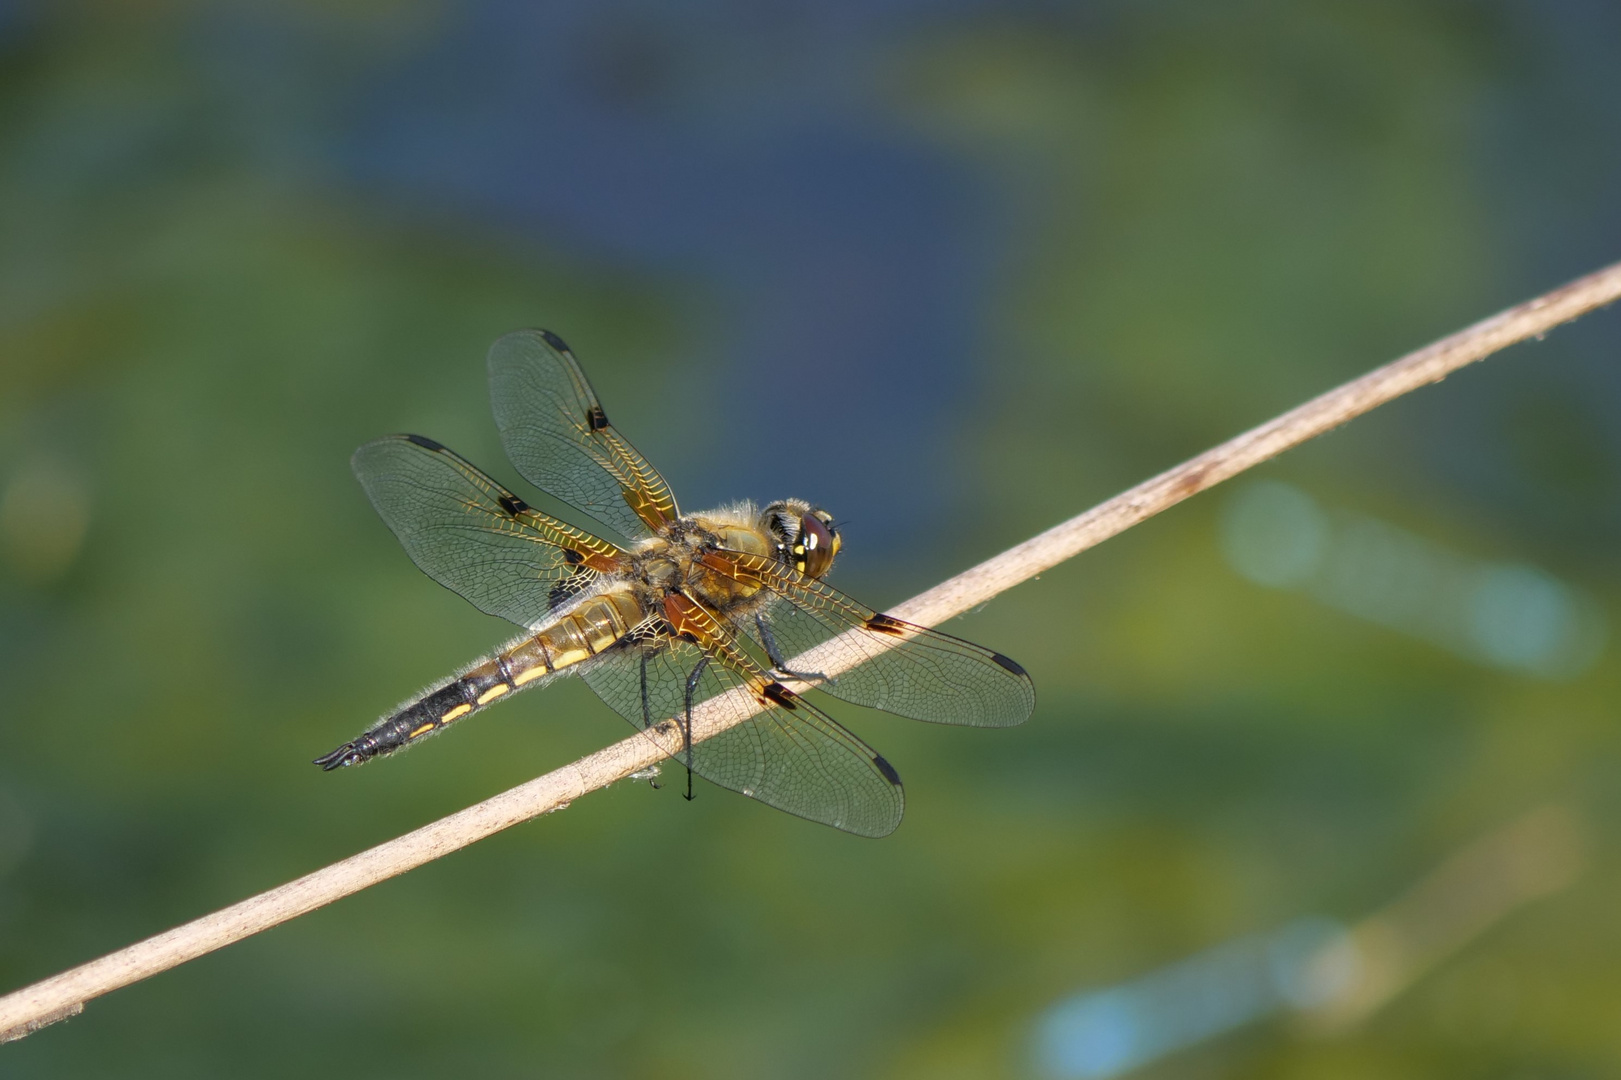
x=337 y=759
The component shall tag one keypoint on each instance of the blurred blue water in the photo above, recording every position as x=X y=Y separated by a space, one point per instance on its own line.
x=1505 y=614
x=758 y=163
x=1112 y=1031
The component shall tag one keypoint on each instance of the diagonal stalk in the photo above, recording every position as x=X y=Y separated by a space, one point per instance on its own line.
x=60 y=996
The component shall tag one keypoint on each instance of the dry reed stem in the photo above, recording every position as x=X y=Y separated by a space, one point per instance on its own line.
x=62 y=995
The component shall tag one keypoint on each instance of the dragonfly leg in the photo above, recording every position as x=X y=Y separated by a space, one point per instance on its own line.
x=647 y=721
x=647 y=715
x=692 y=688
x=778 y=664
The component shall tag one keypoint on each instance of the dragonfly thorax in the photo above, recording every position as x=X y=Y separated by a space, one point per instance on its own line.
x=791 y=532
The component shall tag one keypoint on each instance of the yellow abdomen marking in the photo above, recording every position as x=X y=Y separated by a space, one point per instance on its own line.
x=456 y=713
x=492 y=693
x=428 y=726
x=525 y=676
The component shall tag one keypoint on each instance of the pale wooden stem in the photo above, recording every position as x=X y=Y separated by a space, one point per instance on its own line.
x=61 y=995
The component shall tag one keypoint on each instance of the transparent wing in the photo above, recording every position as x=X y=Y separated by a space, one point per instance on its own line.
x=790 y=755
x=555 y=432
x=472 y=535
x=884 y=663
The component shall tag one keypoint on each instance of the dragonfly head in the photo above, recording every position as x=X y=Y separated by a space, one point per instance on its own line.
x=804 y=535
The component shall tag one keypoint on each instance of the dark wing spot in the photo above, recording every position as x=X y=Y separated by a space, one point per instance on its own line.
x=1009 y=664
x=887 y=769
x=425 y=442
x=572 y=557
x=596 y=418
x=512 y=504
x=883 y=624
x=781 y=695
x=554 y=341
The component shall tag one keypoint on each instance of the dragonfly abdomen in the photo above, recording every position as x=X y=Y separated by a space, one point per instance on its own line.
x=592 y=627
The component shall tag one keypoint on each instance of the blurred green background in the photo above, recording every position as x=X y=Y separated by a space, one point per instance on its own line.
x=954 y=270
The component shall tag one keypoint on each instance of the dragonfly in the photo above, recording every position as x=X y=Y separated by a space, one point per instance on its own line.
x=685 y=611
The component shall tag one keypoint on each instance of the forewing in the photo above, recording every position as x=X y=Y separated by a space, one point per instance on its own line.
x=884 y=663
x=472 y=535
x=555 y=431
x=789 y=755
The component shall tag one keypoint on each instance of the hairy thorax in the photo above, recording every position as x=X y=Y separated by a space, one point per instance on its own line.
x=673 y=560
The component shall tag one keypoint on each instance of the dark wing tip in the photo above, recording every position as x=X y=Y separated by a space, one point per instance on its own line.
x=1009 y=665
x=553 y=340
x=1029 y=686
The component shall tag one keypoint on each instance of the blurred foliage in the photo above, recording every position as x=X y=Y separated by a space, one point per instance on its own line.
x=238 y=244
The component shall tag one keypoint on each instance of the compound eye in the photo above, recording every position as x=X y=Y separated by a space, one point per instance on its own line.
x=815 y=547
